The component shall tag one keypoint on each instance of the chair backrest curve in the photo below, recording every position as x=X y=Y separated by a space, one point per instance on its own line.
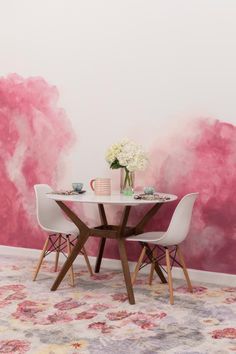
x=179 y=226
x=48 y=212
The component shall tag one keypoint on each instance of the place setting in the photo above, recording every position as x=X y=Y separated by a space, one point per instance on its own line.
x=77 y=188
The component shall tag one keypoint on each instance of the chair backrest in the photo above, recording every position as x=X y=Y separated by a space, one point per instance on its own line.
x=48 y=212
x=180 y=222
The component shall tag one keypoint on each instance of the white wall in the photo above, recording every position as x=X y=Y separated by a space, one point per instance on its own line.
x=124 y=68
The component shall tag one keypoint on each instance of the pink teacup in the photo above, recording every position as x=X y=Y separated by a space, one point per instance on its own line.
x=101 y=186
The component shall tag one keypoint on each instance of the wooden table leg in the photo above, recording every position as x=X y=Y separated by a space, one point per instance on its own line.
x=100 y=254
x=146 y=218
x=125 y=266
x=123 y=255
x=84 y=234
x=103 y=240
x=77 y=248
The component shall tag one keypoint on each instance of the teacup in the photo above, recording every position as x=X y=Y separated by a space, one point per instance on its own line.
x=149 y=190
x=77 y=187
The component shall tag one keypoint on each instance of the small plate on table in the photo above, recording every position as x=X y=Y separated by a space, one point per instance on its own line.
x=154 y=196
x=67 y=192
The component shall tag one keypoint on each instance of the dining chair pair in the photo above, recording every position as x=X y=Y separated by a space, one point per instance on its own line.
x=61 y=232
x=167 y=244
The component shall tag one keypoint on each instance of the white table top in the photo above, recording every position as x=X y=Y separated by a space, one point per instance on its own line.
x=118 y=199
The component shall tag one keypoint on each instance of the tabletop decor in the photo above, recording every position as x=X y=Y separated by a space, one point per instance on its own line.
x=77 y=186
x=129 y=157
x=154 y=196
x=73 y=192
x=149 y=190
x=101 y=186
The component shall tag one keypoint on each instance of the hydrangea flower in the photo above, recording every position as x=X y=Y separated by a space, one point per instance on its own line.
x=127 y=154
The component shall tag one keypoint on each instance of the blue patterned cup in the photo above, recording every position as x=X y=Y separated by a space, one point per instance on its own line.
x=77 y=187
x=149 y=190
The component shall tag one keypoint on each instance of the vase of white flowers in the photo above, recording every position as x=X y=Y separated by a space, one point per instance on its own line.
x=129 y=157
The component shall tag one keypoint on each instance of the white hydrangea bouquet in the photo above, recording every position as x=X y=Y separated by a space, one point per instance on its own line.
x=130 y=157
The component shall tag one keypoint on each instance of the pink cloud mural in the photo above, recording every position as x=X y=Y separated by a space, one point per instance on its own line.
x=34 y=132
x=201 y=159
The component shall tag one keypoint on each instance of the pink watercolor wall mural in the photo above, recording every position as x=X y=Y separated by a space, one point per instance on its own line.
x=202 y=159
x=34 y=132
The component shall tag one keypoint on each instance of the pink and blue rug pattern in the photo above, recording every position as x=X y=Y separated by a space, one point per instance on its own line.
x=95 y=316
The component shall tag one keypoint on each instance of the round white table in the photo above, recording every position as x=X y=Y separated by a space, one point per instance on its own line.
x=117 y=199
x=105 y=230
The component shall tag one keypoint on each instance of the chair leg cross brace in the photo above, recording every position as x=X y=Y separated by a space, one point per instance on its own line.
x=58 y=243
x=157 y=265
x=154 y=259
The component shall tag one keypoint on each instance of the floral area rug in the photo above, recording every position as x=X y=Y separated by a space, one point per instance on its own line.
x=95 y=316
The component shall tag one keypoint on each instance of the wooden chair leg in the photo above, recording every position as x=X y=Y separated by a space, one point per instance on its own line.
x=71 y=271
x=170 y=283
x=41 y=258
x=140 y=260
x=57 y=252
x=87 y=261
x=182 y=262
x=152 y=267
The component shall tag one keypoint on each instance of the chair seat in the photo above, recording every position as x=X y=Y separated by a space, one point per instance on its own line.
x=63 y=226
x=150 y=237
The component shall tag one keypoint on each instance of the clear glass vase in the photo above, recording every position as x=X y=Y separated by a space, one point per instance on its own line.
x=126 y=181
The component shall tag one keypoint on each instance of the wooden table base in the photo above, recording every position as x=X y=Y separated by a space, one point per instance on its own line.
x=136 y=230
x=100 y=255
x=105 y=231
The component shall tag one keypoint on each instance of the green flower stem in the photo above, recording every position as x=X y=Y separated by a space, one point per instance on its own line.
x=127 y=178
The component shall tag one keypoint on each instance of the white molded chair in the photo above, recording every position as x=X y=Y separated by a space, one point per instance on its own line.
x=52 y=220
x=168 y=242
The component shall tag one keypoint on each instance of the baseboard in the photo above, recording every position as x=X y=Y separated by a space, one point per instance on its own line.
x=114 y=264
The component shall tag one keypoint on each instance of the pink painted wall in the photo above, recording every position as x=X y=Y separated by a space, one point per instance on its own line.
x=34 y=132
x=201 y=159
